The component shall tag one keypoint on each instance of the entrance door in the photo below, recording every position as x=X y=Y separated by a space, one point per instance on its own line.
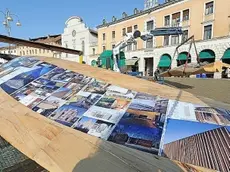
x=148 y=66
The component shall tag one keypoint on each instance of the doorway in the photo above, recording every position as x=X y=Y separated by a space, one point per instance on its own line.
x=149 y=66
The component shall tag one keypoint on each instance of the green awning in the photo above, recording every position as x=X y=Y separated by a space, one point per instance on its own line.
x=106 y=54
x=227 y=54
x=165 y=61
x=207 y=54
x=182 y=56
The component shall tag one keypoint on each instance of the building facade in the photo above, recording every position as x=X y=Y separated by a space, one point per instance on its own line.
x=19 y=50
x=207 y=20
x=79 y=37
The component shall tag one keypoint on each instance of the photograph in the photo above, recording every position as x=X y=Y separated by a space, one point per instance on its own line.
x=94 y=127
x=96 y=87
x=74 y=87
x=161 y=105
x=67 y=114
x=120 y=92
x=144 y=96
x=108 y=115
x=143 y=105
x=212 y=115
x=48 y=82
x=181 y=110
x=191 y=142
x=84 y=101
x=25 y=91
x=112 y=102
x=62 y=93
x=139 y=131
x=25 y=78
x=48 y=106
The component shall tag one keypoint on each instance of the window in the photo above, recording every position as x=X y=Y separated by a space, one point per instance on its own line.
x=33 y=51
x=185 y=35
x=113 y=34
x=176 y=19
x=167 y=20
x=23 y=53
x=94 y=51
x=36 y=51
x=123 y=31
x=103 y=48
x=103 y=36
x=149 y=43
x=44 y=50
x=129 y=47
x=83 y=47
x=209 y=8
x=186 y=15
x=40 y=51
x=150 y=25
x=20 y=53
x=27 y=52
x=166 y=40
x=207 y=32
x=113 y=46
x=135 y=45
x=129 y=29
x=175 y=39
x=135 y=27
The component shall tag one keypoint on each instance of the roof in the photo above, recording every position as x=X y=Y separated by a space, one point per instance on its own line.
x=45 y=37
x=140 y=13
x=94 y=32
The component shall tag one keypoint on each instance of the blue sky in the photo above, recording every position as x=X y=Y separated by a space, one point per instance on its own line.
x=43 y=17
x=178 y=129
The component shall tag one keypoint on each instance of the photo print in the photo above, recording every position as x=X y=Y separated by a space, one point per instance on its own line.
x=23 y=79
x=67 y=114
x=194 y=140
x=94 y=127
x=48 y=106
x=96 y=87
x=103 y=114
x=141 y=131
x=120 y=92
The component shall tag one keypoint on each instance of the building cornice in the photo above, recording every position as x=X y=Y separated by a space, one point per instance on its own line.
x=140 y=13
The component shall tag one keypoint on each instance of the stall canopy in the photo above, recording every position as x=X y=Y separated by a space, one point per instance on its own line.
x=207 y=54
x=165 y=61
x=131 y=62
x=226 y=54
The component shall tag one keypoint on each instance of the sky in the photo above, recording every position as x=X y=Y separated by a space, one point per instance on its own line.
x=43 y=17
x=179 y=129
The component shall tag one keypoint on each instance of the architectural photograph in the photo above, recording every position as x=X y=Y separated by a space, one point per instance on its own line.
x=193 y=143
x=137 y=131
x=48 y=106
x=67 y=114
x=96 y=87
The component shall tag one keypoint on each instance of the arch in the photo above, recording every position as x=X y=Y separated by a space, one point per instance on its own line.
x=73 y=17
x=226 y=56
x=182 y=58
x=207 y=55
x=165 y=61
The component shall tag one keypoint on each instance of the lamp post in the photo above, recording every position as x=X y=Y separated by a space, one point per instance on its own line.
x=7 y=22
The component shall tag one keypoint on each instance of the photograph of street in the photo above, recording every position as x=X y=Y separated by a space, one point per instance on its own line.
x=96 y=87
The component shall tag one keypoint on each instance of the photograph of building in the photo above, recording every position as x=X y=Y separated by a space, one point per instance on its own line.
x=96 y=87
x=213 y=115
x=207 y=147
x=141 y=132
x=67 y=114
x=120 y=92
x=94 y=127
x=25 y=78
x=143 y=105
x=48 y=106
x=103 y=114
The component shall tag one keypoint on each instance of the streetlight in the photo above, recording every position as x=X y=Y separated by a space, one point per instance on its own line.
x=7 y=20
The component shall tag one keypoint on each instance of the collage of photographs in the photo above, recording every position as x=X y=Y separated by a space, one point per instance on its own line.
x=137 y=120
